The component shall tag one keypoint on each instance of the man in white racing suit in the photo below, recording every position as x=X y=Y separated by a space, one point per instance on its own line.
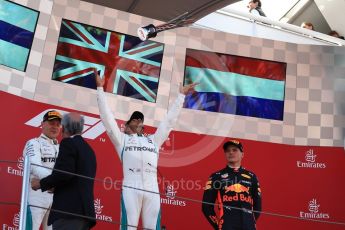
x=43 y=151
x=139 y=157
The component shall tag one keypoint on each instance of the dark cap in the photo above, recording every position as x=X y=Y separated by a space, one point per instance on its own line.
x=136 y=115
x=235 y=143
x=51 y=115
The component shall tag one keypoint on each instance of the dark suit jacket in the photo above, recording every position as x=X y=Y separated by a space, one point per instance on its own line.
x=72 y=193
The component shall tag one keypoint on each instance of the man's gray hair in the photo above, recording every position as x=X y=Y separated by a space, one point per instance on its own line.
x=73 y=123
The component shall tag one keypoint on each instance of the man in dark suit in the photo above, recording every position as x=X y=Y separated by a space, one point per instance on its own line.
x=72 y=194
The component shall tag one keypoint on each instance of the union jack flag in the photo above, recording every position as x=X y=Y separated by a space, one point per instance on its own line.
x=131 y=67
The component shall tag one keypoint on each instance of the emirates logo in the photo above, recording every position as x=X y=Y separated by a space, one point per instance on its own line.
x=170 y=193
x=16 y=220
x=20 y=163
x=98 y=206
x=170 y=197
x=310 y=161
x=313 y=206
x=313 y=211
x=99 y=210
x=17 y=171
x=310 y=156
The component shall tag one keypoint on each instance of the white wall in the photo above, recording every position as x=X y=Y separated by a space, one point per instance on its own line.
x=312 y=14
x=245 y=27
x=334 y=12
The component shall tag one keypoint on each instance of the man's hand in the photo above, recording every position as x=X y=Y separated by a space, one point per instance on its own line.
x=35 y=184
x=99 y=80
x=188 y=88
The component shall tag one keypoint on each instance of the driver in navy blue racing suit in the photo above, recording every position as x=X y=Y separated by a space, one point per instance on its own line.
x=234 y=191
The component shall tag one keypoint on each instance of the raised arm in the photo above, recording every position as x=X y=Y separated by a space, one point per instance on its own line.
x=169 y=121
x=113 y=131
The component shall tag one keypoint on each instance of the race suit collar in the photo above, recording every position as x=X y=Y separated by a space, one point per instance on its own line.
x=51 y=141
x=231 y=169
x=135 y=134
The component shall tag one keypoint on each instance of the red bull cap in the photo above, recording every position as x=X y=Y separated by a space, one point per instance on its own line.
x=235 y=143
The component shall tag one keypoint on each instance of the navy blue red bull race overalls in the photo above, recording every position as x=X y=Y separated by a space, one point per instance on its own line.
x=235 y=193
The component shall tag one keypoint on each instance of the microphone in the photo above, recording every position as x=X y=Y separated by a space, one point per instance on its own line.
x=147 y=32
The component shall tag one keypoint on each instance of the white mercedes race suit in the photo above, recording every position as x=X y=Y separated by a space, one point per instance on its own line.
x=139 y=157
x=42 y=151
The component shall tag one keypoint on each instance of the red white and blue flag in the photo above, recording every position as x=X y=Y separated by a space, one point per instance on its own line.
x=235 y=85
x=131 y=67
